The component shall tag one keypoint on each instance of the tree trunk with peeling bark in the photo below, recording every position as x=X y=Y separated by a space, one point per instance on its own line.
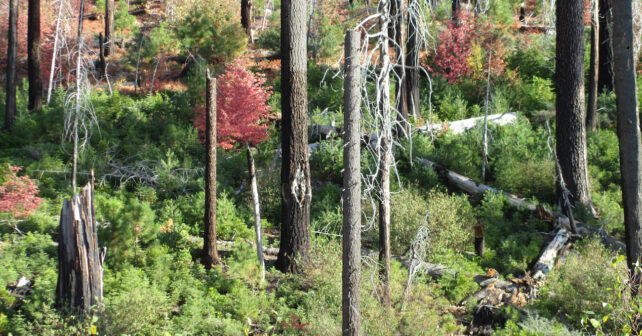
x=210 y=249
x=628 y=129
x=12 y=45
x=296 y=191
x=570 y=114
x=33 y=56
x=351 y=240
x=80 y=271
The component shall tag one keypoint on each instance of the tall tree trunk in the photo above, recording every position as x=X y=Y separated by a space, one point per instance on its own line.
x=351 y=271
x=10 y=107
x=296 y=190
x=55 y=52
x=109 y=27
x=455 y=9
x=257 y=209
x=412 y=62
x=79 y=82
x=33 y=56
x=605 y=79
x=80 y=263
x=210 y=250
x=569 y=82
x=246 y=17
x=591 y=110
x=397 y=30
x=385 y=156
x=628 y=130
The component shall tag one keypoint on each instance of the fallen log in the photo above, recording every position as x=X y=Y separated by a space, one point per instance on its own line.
x=460 y=126
x=547 y=259
x=474 y=188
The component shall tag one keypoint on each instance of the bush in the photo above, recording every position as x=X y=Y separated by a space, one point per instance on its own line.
x=587 y=281
x=270 y=39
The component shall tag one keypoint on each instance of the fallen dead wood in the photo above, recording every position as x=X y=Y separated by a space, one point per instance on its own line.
x=460 y=126
x=473 y=187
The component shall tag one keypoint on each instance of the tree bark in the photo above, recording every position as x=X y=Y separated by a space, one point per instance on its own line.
x=397 y=30
x=296 y=190
x=628 y=130
x=351 y=273
x=385 y=156
x=412 y=62
x=55 y=52
x=10 y=107
x=80 y=263
x=257 y=209
x=605 y=79
x=79 y=77
x=591 y=110
x=455 y=9
x=210 y=250
x=570 y=119
x=109 y=27
x=33 y=56
x=246 y=17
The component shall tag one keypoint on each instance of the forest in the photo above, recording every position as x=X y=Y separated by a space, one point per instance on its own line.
x=320 y=167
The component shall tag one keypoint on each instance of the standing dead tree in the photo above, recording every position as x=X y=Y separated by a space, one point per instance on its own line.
x=10 y=103
x=80 y=262
x=63 y=28
x=351 y=275
x=381 y=117
x=210 y=253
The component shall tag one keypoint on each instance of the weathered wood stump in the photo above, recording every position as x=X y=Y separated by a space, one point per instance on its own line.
x=80 y=271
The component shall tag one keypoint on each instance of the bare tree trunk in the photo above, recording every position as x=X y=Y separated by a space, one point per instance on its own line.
x=351 y=274
x=210 y=253
x=385 y=158
x=412 y=63
x=33 y=56
x=397 y=30
x=295 y=172
x=455 y=9
x=628 y=130
x=74 y=164
x=55 y=53
x=80 y=263
x=246 y=17
x=594 y=64
x=10 y=107
x=605 y=71
x=485 y=135
x=257 y=209
x=571 y=130
x=109 y=27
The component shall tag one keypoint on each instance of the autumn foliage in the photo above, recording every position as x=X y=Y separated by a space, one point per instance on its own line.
x=241 y=105
x=464 y=46
x=18 y=194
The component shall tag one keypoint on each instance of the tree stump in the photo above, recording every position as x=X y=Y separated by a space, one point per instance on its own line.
x=80 y=271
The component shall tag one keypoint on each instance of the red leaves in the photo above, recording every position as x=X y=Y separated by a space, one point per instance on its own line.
x=241 y=107
x=18 y=193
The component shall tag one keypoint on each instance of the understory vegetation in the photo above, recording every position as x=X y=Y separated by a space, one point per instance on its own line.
x=148 y=161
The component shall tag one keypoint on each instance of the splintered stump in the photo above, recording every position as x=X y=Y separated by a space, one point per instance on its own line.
x=80 y=272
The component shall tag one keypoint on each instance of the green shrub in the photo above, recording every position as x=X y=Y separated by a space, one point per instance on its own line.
x=270 y=39
x=586 y=281
x=326 y=163
x=325 y=212
x=452 y=107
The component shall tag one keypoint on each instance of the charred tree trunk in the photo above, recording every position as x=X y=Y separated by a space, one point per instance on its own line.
x=80 y=263
x=10 y=107
x=397 y=29
x=109 y=27
x=455 y=9
x=295 y=171
x=569 y=85
x=591 y=110
x=351 y=275
x=628 y=130
x=33 y=56
x=412 y=63
x=605 y=70
x=210 y=250
x=246 y=17
x=385 y=157
x=257 y=209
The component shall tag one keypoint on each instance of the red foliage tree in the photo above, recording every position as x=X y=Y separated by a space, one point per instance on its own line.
x=464 y=46
x=241 y=105
x=18 y=194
